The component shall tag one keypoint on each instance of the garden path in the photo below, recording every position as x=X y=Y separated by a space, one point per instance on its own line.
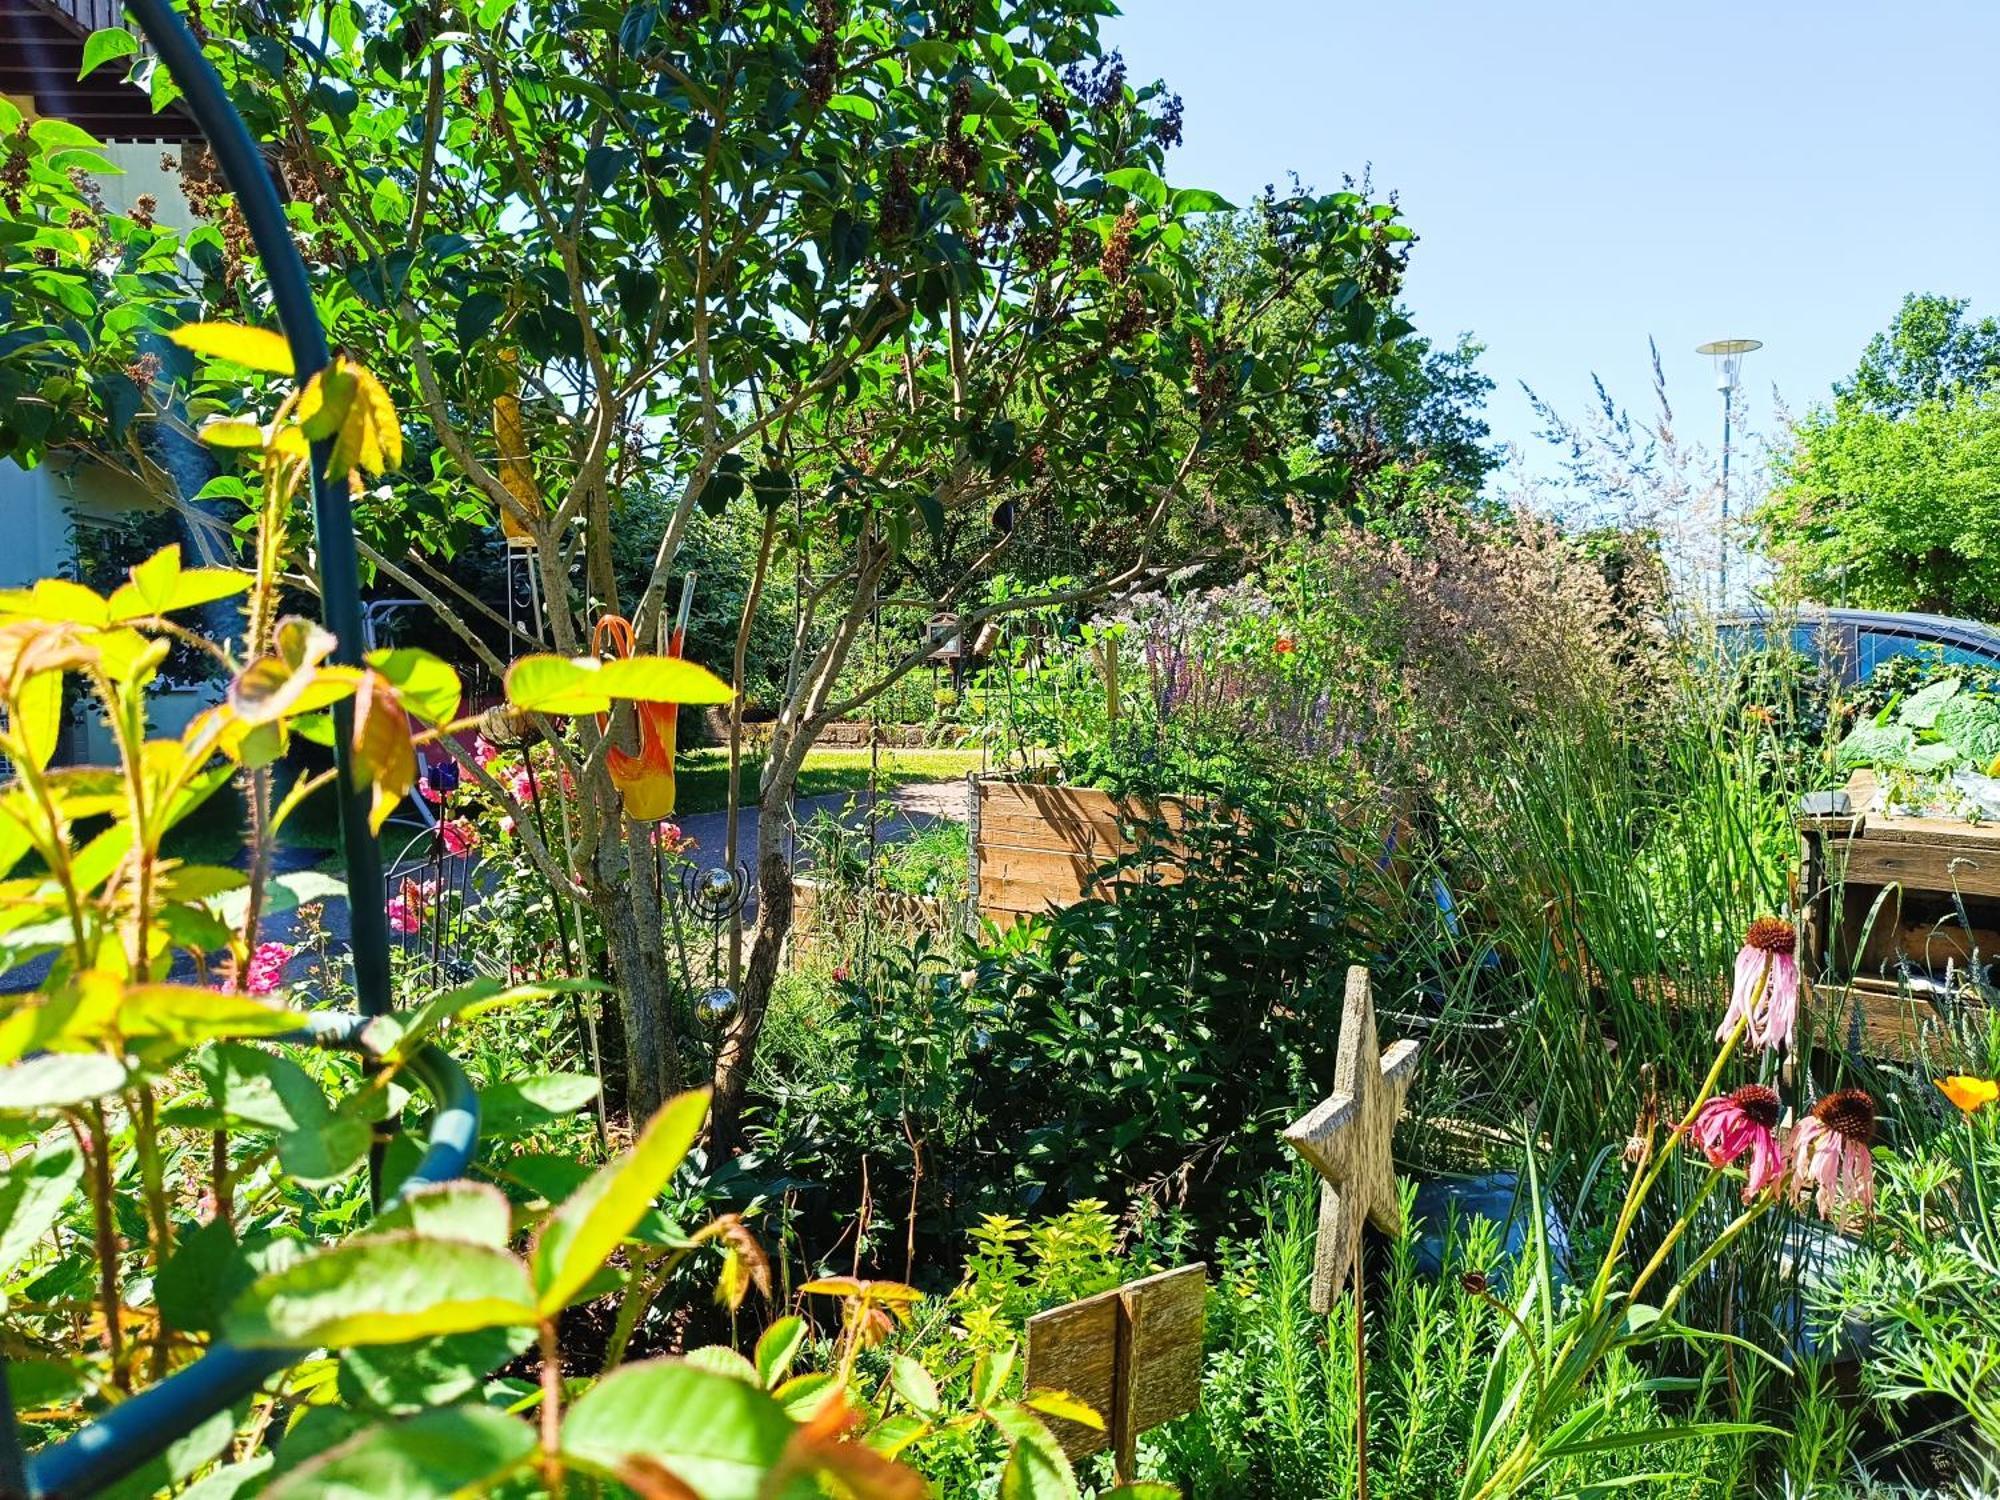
x=917 y=807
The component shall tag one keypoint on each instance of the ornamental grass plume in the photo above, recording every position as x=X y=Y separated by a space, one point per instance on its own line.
x=1765 y=999
x=1744 y=1122
x=1831 y=1155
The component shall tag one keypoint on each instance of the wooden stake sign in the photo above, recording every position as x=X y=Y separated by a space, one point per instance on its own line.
x=1132 y=1354
x=1347 y=1137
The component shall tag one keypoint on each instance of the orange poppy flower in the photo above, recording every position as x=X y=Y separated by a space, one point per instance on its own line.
x=1969 y=1093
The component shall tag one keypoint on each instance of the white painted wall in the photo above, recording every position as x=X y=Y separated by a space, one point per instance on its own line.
x=37 y=506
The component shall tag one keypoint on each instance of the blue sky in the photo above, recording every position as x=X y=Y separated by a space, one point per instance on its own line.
x=1584 y=175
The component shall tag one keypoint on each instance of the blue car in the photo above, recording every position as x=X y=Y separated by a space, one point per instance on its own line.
x=1854 y=642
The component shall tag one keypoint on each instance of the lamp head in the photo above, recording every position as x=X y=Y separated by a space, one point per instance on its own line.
x=1728 y=356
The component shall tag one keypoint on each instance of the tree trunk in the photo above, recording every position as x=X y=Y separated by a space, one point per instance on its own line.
x=738 y=1047
x=652 y=1054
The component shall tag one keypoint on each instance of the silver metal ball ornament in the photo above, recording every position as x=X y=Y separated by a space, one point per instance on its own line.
x=716 y=1005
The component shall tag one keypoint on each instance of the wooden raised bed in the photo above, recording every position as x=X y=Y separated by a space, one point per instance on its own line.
x=1912 y=874
x=1036 y=848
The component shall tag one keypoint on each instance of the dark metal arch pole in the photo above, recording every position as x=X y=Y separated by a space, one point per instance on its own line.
x=244 y=170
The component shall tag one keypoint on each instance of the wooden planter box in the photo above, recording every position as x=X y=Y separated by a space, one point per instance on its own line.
x=1912 y=874
x=1036 y=848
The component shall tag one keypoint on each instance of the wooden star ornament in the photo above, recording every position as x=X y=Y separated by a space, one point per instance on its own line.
x=1347 y=1139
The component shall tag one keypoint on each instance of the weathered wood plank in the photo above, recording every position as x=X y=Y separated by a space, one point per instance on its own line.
x=1132 y=1354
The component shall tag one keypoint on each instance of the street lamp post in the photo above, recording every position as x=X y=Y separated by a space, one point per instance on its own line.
x=1728 y=356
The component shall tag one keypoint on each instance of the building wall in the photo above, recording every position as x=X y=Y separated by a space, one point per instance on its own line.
x=40 y=507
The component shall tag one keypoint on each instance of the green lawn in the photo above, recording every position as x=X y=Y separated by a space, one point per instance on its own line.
x=704 y=774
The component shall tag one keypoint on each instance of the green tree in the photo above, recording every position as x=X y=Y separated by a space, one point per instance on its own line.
x=1933 y=351
x=903 y=282
x=1889 y=497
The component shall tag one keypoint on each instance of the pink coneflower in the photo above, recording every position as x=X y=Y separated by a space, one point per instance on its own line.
x=266 y=970
x=1732 y=1124
x=1831 y=1155
x=459 y=836
x=1767 y=986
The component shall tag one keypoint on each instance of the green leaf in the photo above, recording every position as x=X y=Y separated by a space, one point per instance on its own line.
x=1875 y=745
x=720 y=1359
x=586 y=685
x=451 y=1451
x=989 y=1376
x=1971 y=724
x=1199 y=201
x=104 y=45
x=580 y=1236
x=1921 y=708
x=516 y=1108
x=383 y=1290
x=477 y=998
x=38 y=716
x=1036 y=1467
x=718 y=1436
x=914 y=1384
x=232 y=433
x=254 y=348
x=56 y=1080
x=1063 y=1404
x=426 y=685
x=160 y=586
x=427 y=1372
x=474 y=1212
x=32 y=1196
x=208 y=1271
x=1147 y=187
x=778 y=1348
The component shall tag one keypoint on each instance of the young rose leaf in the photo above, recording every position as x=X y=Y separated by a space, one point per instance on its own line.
x=719 y=1436
x=804 y=1396
x=509 y=1109
x=384 y=755
x=1037 y=1468
x=38 y=717
x=56 y=1080
x=777 y=1349
x=425 y=684
x=454 y=1450
x=160 y=586
x=989 y=1376
x=586 y=685
x=56 y=601
x=384 y=1290
x=1063 y=1404
x=914 y=1384
x=720 y=1359
x=255 y=348
x=580 y=1236
x=32 y=1197
x=347 y=404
